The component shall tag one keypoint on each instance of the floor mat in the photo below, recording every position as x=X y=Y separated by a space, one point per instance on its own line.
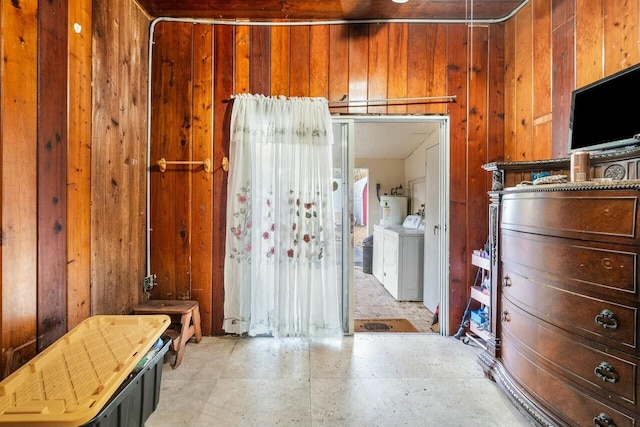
x=383 y=325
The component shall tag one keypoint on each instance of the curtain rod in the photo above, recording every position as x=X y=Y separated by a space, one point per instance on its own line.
x=447 y=98
x=344 y=100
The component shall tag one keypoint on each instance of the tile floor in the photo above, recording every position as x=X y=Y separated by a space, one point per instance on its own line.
x=373 y=301
x=370 y=379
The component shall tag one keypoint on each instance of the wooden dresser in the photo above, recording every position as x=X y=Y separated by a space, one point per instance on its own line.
x=565 y=264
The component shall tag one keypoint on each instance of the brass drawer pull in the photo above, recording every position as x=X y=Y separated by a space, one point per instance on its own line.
x=603 y=420
x=504 y=316
x=506 y=281
x=607 y=319
x=606 y=372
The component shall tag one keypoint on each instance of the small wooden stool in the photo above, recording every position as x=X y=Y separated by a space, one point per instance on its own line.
x=190 y=321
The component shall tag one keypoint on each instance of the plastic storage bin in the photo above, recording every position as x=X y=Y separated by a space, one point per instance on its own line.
x=89 y=377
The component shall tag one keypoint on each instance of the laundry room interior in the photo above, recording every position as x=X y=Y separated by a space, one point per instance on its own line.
x=389 y=198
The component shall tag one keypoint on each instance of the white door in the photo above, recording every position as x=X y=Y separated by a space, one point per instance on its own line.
x=432 y=229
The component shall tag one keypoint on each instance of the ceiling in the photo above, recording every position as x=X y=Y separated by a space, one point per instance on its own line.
x=264 y=10
x=392 y=139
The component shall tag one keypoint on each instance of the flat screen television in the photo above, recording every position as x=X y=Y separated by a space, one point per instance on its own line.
x=606 y=114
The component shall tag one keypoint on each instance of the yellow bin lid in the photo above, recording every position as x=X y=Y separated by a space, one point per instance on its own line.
x=71 y=381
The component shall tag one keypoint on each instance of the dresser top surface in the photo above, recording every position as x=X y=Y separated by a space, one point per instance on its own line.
x=577 y=186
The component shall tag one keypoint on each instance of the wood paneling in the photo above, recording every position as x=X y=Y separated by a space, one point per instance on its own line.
x=457 y=80
x=280 y=42
x=509 y=91
x=18 y=151
x=52 y=172
x=563 y=83
x=172 y=139
x=328 y=9
x=496 y=77
x=385 y=60
x=589 y=40
x=299 y=69
x=477 y=214
x=79 y=164
x=242 y=60
x=398 y=66
x=319 y=61
x=620 y=34
x=358 y=66
x=524 y=83
x=202 y=198
x=378 y=69
x=222 y=87
x=118 y=156
x=259 y=74
x=338 y=65
x=541 y=34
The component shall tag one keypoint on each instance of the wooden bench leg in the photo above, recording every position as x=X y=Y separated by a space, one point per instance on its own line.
x=180 y=343
x=196 y=323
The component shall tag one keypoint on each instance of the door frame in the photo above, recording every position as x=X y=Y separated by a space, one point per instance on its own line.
x=348 y=284
x=347 y=127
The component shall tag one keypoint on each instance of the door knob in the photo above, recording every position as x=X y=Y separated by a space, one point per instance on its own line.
x=435 y=229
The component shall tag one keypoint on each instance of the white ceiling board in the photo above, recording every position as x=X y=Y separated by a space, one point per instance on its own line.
x=391 y=140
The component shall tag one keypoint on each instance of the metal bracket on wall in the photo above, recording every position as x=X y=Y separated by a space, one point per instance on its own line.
x=149 y=283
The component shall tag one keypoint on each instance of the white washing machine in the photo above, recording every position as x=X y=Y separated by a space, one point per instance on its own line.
x=398 y=258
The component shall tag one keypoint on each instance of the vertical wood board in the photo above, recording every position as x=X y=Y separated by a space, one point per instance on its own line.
x=242 y=59
x=524 y=84
x=172 y=137
x=541 y=59
x=299 y=67
x=79 y=164
x=377 y=67
x=260 y=60
x=621 y=38
x=419 y=67
x=118 y=156
x=509 y=91
x=563 y=83
x=457 y=80
x=202 y=205
x=496 y=75
x=589 y=41
x=222 y=85
x=358 y=67
x=397 y=85
x=18 y=192
x=52 y=171
x=319 y=61
x=338 y=65
x=280 y=50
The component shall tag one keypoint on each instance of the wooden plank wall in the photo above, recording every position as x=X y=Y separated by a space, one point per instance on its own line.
x=551 y=48
x=118 y=156
x=18 y=140
x=361 y=61
x=50 y=134
x=52 y=172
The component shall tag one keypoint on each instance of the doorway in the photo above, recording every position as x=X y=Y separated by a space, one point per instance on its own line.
x=390 y=151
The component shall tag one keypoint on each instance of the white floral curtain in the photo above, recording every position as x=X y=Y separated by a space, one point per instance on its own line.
x=280 y=268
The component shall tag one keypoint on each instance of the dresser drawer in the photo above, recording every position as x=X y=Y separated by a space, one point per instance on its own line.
x=601 y=320
x=606 y=216
x=573 y=405
x=612 y=376
x=602 y=268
